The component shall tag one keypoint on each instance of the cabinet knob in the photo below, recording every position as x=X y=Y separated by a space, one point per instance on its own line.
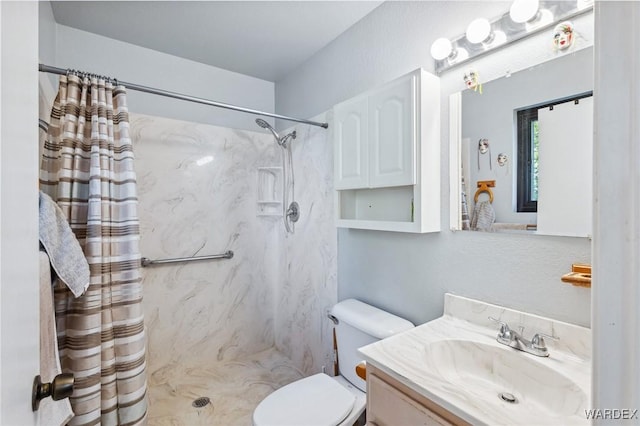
x=61 y=387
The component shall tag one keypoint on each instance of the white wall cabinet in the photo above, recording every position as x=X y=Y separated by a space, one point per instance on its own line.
x=387 y=156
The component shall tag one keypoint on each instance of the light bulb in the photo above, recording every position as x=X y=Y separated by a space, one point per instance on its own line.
x=460 y=55
x=523 y=10
x=583 y=4
x=478 y=30
x=543 y=17
x=441 y=48
x=499 y=38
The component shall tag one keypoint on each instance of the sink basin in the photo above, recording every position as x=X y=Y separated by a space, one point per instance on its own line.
x=483 y=372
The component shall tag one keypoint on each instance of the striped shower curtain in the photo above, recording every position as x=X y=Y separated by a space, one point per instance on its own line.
x=87 y=167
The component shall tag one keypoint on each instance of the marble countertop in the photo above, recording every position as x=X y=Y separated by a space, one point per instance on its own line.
x=550 y=390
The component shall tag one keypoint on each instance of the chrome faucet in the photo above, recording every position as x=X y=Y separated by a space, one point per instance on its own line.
x=536 y=346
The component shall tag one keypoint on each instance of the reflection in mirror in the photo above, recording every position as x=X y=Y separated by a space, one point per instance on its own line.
x=556 y=118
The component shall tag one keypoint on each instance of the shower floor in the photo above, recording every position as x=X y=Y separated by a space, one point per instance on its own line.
x=234 y=387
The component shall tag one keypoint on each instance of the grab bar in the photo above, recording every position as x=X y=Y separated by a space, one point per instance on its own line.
x=148 y=262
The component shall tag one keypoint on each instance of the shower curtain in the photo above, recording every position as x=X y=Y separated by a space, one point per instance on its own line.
x=87 y=167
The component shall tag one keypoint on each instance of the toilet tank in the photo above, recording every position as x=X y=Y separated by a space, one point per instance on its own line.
x=358 y=325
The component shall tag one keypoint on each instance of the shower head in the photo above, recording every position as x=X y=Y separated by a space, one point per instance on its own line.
x=282 y=141
x=260 y=122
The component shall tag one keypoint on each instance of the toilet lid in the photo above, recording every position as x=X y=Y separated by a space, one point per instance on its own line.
x=315 y=400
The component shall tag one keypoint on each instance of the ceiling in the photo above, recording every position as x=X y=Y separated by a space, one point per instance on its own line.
x=263 y=39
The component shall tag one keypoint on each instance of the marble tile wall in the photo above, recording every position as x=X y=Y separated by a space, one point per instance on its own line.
x=198 y=186
x=308 y=288
x=197 y=192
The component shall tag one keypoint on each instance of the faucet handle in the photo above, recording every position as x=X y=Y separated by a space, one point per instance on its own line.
x=537 y=341
x=505 y=335
x=504 y=327
x=502 y=323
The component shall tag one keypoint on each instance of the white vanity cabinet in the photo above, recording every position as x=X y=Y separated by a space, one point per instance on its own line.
x=387 y=156
x=390 y=403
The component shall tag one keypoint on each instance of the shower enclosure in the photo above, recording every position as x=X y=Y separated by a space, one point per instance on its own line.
x=231 y=330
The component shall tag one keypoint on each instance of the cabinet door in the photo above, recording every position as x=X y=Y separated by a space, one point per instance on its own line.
x=351 y=144
x=392 y=133
x=387 y=406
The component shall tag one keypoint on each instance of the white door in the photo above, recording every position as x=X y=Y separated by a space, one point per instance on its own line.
x=19 y=321
x=392 y=133
x=565 y=155
x=351 y=158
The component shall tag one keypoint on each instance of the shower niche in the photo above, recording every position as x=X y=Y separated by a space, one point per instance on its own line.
x=387 y=156
x=269 y=196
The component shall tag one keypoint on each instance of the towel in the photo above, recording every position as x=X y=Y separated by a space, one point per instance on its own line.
x=510 y=227
x=50 y=412
x=65 y=253
x=464 y=210
x=483 y=216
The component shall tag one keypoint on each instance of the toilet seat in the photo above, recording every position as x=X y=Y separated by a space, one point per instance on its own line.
x=315 y=400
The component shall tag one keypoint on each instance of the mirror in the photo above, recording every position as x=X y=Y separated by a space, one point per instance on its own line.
x=540 y=188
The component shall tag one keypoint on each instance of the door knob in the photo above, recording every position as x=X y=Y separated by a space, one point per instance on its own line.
x=61 y=387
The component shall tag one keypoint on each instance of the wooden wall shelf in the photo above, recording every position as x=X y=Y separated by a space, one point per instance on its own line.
x=580 y=275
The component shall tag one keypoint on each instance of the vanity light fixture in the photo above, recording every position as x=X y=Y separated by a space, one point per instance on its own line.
x=525 y=17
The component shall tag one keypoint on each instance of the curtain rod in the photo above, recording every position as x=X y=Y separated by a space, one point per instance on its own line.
x=140 y=88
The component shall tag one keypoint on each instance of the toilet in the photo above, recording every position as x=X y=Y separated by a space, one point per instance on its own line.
x=321 y=400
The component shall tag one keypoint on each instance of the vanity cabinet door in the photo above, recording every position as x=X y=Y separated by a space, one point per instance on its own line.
x=392 y=129
x=391 y=403
x=351 y=144
x=387 y=406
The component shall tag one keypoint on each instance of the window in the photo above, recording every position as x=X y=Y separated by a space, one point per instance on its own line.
x=527 y=121
x=528 y=161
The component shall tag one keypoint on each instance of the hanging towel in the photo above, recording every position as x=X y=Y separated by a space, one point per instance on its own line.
x=483 y=216
x=499 y=226
x=464 y=209
x=65 y=253
x=50 y=412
